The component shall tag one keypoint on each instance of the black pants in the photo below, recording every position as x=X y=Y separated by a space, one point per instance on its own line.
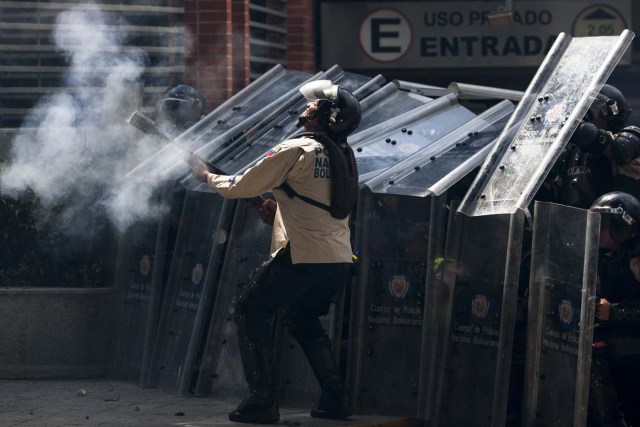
x=304 y=290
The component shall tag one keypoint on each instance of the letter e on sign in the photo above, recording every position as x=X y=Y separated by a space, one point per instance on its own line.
x=385 y=35
x=598 y=20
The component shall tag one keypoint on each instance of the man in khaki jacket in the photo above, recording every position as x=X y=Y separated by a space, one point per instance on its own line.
x=310 y=254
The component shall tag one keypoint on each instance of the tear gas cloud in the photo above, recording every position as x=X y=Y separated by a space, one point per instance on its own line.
x=76 y=146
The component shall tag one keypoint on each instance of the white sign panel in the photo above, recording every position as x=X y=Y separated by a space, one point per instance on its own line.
x=459 y=34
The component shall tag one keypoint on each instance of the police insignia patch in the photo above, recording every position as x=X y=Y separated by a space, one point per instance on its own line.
x=565 y=311
x=274 y=151
x=398 y=286
x=555 y=114
x=480 y=306
x=145 y=265
x=197 y=273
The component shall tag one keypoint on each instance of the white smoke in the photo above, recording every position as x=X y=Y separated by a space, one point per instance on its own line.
x=76 y=147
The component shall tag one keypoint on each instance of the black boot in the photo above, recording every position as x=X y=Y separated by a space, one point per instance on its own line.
x=334 y=399
x=262 y=406
x=256 y=410
x=604 y=408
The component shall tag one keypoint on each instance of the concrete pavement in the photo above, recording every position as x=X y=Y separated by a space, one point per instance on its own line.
x=97 y=402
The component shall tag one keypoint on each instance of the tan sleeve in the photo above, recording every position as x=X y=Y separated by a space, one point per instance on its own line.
x=269 y=172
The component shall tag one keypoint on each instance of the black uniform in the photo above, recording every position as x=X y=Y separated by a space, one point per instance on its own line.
x=616 y=348
x=596 y=162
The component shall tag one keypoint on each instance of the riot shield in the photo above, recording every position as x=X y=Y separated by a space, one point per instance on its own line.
x=381 y=146
x=441 y=164
x=190 y=290
x=229 y=120
x=393 y=241
x=561 y=315
x=143 y=252
x=552 y=107
x=386 y=103
x=220 y=368
x=138 y=251
x=298 y=384
x=481 y=263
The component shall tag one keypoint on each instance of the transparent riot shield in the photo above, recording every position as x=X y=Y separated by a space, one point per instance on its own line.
x=438 y=166
x=561 y=315
x=393 y=242
x=553 y=105
x=381 y=146
x=220 y=367
x=138 y=250
x=229 y=120
x=482 y=261
x=298 y=384
x=140 y=277
x=386 y=103
x=190 y=291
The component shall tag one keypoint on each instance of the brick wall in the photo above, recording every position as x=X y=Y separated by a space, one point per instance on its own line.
x=301 y=53
x=217 y=62
x=217 y=59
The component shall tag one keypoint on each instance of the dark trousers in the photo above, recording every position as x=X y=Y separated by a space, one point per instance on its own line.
x=304 y=290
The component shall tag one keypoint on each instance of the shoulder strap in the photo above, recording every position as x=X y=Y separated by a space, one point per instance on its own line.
x=293 y=193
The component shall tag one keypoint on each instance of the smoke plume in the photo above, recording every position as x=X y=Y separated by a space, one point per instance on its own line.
x=76 y=146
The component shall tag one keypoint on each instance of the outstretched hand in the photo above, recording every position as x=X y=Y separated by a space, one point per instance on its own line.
x=200 y=169
x=267 y=211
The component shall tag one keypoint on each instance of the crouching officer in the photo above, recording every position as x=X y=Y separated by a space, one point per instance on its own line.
x=314 y=180
x=616 y=341
x=602 y=154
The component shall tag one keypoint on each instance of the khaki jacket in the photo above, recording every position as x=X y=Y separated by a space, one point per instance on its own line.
x=313 y=234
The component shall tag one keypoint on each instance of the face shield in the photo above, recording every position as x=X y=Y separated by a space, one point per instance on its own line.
x=320 y=90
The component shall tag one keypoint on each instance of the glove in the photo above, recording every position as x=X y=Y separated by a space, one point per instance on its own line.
x=591 y=139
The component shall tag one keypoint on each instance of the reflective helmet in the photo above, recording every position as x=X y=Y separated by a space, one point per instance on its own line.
x=611 y=106
x=338 y=110
x=180 y=107
x=620 y=213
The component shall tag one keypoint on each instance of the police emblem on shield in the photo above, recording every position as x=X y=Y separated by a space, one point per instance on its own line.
x=565 y=311
x=197 y=273
x=480 y=306
x=555 y=114
x=145 y=265
x=398 y=286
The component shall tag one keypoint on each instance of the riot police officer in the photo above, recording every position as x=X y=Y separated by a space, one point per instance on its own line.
x=601 y=155
x=179 y=108
x=616 y=342
x=311 y=253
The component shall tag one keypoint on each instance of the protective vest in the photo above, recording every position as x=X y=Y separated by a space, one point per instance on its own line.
x=344 y=177
x=584 y=177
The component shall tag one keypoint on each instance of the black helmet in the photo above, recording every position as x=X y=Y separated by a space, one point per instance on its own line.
x=338 y=110
x=180 y=107
x=620 y=213
x=611 y=106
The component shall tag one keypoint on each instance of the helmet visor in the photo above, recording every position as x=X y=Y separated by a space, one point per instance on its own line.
x=322 y=90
